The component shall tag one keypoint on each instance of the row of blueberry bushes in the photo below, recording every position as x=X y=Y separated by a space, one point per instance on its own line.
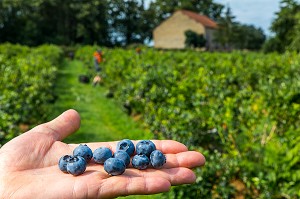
x=26 y=86
x=240 y=109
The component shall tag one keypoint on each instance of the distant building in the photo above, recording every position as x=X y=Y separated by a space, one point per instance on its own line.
x=170 y=33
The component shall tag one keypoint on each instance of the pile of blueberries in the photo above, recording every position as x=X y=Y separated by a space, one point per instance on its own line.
x=114 y=164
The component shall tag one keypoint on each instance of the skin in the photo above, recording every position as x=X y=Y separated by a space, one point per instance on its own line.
x=29 y=166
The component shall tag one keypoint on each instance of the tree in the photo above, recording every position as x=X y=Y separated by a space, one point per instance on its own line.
x=69 y=22
x=284 y=27
x=194 y=40
x=126 y=22
x=91 y=20
x=295 y=36
x=224 y=33
x=34 y=22
x=206 y=7
x=247 y=37
x=16 y=21
x=234 y=35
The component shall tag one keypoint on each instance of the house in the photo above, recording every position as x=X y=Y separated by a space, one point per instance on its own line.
x=170 y=34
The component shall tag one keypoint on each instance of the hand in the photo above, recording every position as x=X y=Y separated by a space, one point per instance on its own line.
x=29 y=166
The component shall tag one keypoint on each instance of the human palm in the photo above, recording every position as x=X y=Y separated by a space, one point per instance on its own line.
x=28 y=166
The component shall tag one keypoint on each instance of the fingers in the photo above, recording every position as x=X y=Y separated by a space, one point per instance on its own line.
x=170 y=146
x=177 y=154
x=166 y=146
x=62 y=126
x=188 y=159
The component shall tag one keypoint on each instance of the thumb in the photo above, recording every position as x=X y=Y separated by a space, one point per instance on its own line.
x=62 y=126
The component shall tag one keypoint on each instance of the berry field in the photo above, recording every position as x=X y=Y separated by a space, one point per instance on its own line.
x=102 y=119
x=27 y=78
x=241 y=110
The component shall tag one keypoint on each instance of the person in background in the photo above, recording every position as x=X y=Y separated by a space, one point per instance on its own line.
x=97 y=80
x=138 y=50
x=98 y=58
x=71 y=55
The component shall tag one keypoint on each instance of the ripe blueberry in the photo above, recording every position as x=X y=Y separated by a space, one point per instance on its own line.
x=101 y=154
x=76 y=165
x=126 y=145
x=63 y=161
x=114 y=166
x=84 y=151
x=140 y=161
x=157 y=159
x=145 y=147
x=122 y=155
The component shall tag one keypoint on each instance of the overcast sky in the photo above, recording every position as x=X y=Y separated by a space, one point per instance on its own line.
x=259 y=13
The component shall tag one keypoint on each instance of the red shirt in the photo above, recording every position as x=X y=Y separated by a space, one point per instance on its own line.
x=98 y=56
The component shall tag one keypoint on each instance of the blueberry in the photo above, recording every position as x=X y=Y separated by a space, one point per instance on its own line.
x=63 y=161
x=145 y=147
x=122 y=155
x=157 y=159
x=126 y=145
x=140 y=161
x=76 y=165
x=114 y=166
x=83 y=151
x=101 y=154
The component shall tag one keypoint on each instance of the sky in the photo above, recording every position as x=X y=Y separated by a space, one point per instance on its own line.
x=259 y=13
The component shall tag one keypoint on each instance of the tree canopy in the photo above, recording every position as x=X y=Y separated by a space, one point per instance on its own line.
x=285 y=28
x=108 y=22
x=234 y=35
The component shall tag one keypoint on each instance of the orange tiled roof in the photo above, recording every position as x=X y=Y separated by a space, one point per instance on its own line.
x=204 y=20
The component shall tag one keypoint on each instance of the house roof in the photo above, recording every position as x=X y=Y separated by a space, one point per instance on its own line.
x=204 y=20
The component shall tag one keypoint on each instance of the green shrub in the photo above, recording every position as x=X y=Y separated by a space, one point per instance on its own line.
x=240 y=109
x=26 y=84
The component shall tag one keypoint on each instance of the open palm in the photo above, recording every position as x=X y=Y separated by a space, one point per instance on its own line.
x=28 y=166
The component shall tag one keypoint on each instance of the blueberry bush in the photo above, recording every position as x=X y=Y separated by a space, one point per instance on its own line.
x=241 y=109
x=26 y=86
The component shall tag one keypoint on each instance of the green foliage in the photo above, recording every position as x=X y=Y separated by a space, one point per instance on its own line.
x=128 y=22
x=248 y=37
x=240 y=109
x=79 y=22
x=26 y=83
x=194 y=40
x=285 y=27
x=233 y=35
x=295 y=37
x=224 y=33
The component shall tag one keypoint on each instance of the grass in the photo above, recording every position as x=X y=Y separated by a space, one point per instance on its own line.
x=102 y=119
